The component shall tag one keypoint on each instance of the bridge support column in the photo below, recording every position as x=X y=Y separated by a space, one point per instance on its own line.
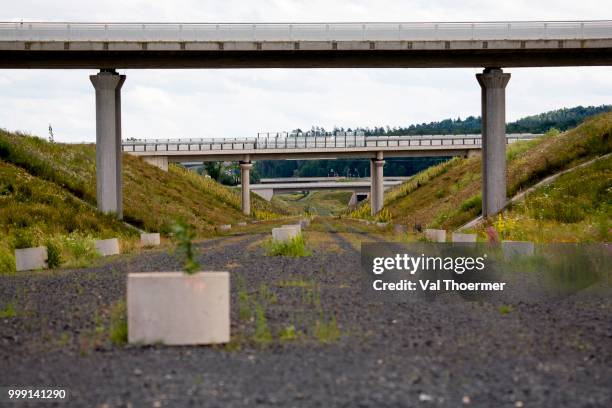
x=493 y=84
x=245 y=174
x=377 y=189
x=157 y=161
x=108 y=85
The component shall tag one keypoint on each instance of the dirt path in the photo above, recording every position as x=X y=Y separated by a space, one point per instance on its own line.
x=443 y=353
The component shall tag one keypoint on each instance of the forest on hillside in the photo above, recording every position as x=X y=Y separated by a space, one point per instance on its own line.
x=561 y=119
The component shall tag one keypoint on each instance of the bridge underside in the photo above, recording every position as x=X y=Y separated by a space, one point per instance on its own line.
x=400 y=54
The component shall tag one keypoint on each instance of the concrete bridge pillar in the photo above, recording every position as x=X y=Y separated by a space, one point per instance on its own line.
x=377 y=188
x=245 y=174
x=108 y=85
x=493 y=84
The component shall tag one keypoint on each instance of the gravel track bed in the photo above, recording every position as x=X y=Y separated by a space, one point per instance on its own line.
x=440 y=353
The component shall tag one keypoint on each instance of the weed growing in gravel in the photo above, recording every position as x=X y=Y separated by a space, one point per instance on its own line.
x=118 y=331
x=295 y=284
x=505 y=309
x=244 y=300
x=8 y=311
x=288 y=334
x=262 y=335
x=295 y=247
x=184 y=233
x=326 y=330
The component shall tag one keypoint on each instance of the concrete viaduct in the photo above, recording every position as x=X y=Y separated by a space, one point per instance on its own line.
x=488 y=45
x=279 y=146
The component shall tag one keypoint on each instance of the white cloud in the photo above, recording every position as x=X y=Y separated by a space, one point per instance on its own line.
x=225 y=103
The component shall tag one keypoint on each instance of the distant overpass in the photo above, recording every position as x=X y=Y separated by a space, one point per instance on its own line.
x=281 y=180
x=282 y=146
x=267 y=191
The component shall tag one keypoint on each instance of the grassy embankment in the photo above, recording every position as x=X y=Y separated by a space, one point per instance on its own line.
x=448 y=195
x=48 y=196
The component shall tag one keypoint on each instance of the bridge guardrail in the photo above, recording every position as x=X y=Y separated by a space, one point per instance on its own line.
x=408 y=31
x=298 y=143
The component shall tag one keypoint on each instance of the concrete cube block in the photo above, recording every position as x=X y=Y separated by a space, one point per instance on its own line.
x=225 y=227
x=517 y=249
x=460 y=237
x=106 y=247
x=400 y=229
x=284 y=233
x=435 y=235
x=27 y=259
x=298 y=227
x=150 y=239
x=174 y=308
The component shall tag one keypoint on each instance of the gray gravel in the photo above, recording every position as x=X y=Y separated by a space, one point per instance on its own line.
x=444 y=353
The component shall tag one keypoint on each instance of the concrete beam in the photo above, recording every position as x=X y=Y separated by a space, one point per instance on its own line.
x=266 y=194
x=157 y=161
x=108 y=141
x=493 y=83
x=245 y=174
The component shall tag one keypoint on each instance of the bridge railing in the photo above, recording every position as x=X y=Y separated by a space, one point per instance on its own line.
x=411 y=31
x=311 y=142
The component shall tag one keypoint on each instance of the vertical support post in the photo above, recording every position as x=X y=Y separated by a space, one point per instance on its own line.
x=493 y=83
x=245 y=174
x=373 y=204
x=377 y=189
x=108 y=85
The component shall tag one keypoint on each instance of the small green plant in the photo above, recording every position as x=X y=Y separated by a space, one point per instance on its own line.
x=54 y=254
x=8 y=311
x=295 y=247
x=384 y=215
x=244 y=300
x=118 y=331
x=184 y=234
x=288 y=334
x=326 y=330
x=262 y=335
x=23 y=238
x=505 y=309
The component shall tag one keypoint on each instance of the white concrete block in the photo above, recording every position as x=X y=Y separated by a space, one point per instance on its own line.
x=150 y=239
x=174 y=308
x=460 y=237
x=435 y=235
x=106 y=247
x=27 y=259
x=298 y=227
x=225 y=227
x=517 y=249
x=400 y=229
x=284 y=233
x=242 y=224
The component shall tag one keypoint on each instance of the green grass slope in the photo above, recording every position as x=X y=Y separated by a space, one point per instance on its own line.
x=49 y=190
x=449 y=195
x=575 y=207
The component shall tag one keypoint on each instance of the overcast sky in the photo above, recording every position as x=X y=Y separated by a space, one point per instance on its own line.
x=226 y=103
